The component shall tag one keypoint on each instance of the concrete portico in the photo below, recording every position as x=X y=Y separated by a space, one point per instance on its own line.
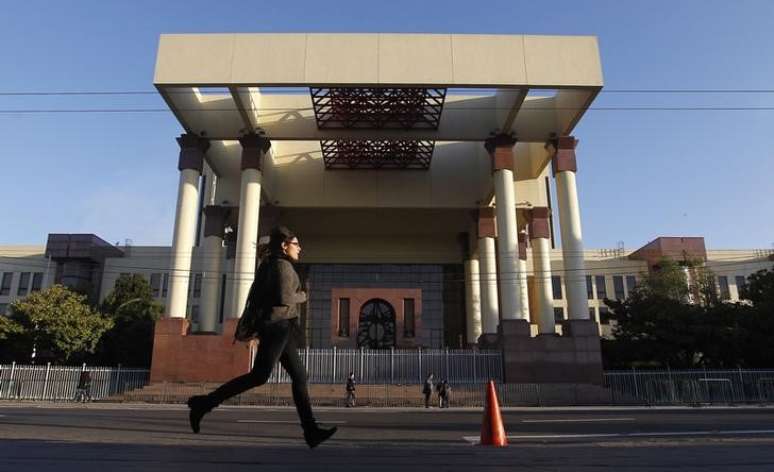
x=377 y=149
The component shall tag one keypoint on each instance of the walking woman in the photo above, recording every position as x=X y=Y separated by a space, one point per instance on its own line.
x=271 y=315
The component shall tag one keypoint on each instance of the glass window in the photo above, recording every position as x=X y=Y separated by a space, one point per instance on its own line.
x=725 y=294
x=589 y=288
x=165 y=285
x=601 y=288
x=344 y=317
x=408 y=317
x=556 y=285
x=197 y=286
x=24 y=284
x=5 y=286
x=37 y=281
x=155 y=283
x=618 y=286
x=558 y=313
x=741 y=282
x=604 y=315
x=592 y=313
x=3 y=308
x=631 y=282
x=195 y=313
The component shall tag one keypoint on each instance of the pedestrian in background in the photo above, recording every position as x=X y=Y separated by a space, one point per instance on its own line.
x=427 y=390
x=351 y=390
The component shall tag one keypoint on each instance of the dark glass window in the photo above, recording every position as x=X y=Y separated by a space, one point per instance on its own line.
x=165 y=285
x=604 y=315
x=24 y=284
x=631 y=282
x=155 y=282
x=592 y=313
x=618 y=286
x=741 y=282
x=5 y=286
x=195 y=313
x=197 y=286
x=601 y=288
x=344 y=317
x=589 y=288
x=37 y=281
x=725 y=294
x=408 y=318
x=556 y=285
x=558 y=313
x=3 y=309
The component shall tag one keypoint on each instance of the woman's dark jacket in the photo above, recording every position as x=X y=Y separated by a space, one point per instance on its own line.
x=274 y=295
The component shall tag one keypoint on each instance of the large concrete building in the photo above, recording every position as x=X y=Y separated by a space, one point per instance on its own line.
x=419 y=172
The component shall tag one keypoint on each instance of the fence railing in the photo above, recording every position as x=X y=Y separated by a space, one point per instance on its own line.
x=397 y=366
x=680 y=387
x=57 y=383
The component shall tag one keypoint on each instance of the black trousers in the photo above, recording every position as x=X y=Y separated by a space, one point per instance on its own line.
x=279 y=341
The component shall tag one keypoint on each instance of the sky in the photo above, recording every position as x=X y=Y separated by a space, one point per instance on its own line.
x=641 y=173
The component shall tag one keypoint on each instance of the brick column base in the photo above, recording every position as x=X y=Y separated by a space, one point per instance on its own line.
x=179 y=356
x=574 y=357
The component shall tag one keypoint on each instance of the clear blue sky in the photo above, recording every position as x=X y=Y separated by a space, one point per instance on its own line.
x=642 y=174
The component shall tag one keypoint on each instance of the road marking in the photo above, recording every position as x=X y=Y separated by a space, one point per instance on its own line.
x=578 y=420
x=476 y=439
x=287 y=422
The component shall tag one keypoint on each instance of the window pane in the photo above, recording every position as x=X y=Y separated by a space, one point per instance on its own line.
x=556 y=285
x=197 y=287
x=24 y=283
x=618 y=285
x=155 y=282
x=37 y=281
x=344 y=317
x=558 y=313
x=725 y=294
x=601 y=289
x=589 y=288
x=741 y=282
x=195 y=313
x=165 y=285
x=408 y=317
x=604 y=315
x=631 y=282
x=592 y=313
x=5 y=287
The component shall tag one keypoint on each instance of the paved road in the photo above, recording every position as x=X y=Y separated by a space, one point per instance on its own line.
x=155 y=437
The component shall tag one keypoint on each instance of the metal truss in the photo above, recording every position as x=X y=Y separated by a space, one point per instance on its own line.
x=377 y=107
x=376 y=153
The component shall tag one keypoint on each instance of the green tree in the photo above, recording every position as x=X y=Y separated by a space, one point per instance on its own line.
x=131 y=307
x=58 y=323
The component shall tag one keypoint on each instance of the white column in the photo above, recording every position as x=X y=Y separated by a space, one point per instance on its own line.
x=253 y=148
x=472 y=299
x=488 y=278
x=540 y=234
x=570 y=223
x=192 y=149
x=213 y=267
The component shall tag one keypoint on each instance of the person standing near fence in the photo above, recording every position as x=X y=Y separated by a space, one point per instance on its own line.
x=443 y=394
x=351 y=390
x=271 y=315
x=427 y=390
x=82 y=393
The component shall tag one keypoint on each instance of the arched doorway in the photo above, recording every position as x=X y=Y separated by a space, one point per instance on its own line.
x=376 y=325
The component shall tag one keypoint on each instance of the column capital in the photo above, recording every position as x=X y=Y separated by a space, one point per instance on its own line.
x=254 y=146
x=563 y=150
x=487 y=225
x=500 y=148
x=522 y=239
x=192 y=149
x=215 y=220
x=538 y=224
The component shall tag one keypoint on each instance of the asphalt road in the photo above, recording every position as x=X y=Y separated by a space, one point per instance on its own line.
x=105 y=437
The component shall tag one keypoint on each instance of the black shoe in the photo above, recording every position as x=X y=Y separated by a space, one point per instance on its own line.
x=315 y=435
x=200 y=405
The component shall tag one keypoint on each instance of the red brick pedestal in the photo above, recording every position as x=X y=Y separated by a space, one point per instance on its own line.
x=182 y=357
x=574 y=357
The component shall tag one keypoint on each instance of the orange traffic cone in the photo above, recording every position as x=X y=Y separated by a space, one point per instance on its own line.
x=492 y=430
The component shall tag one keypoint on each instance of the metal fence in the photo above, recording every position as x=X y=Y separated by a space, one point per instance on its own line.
x=692 y=387
x=57 y=383
x=397 y=366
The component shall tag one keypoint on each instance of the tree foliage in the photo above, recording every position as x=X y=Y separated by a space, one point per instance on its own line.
x=131 y=307
x=667 y=323
x=57 y=323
